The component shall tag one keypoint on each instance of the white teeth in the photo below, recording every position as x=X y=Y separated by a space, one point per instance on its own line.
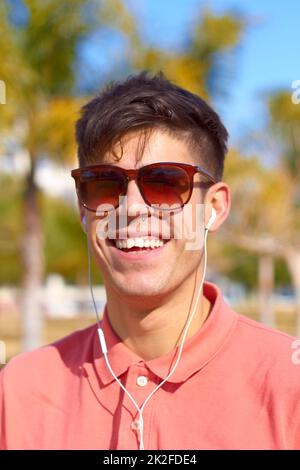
x=130 y=243
x=139 y=242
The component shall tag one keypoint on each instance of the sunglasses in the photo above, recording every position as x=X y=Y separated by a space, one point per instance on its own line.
x=161 y=183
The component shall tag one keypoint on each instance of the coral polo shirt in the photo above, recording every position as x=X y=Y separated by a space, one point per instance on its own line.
x=236 y=387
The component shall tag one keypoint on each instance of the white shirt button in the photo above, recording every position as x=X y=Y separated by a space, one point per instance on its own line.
x=142 y=381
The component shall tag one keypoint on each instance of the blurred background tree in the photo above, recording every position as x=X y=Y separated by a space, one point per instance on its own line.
x=285 y=128
x=38 y=55
x=205 y=63
x=265 y=216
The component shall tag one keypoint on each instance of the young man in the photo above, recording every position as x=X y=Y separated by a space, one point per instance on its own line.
x=171 y=366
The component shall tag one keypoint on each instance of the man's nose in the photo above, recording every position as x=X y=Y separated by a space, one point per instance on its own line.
x=136 y=205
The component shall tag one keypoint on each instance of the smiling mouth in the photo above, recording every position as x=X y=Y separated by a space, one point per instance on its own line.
x=138 y=244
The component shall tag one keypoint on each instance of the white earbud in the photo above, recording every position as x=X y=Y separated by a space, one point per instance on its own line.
x=211 y=219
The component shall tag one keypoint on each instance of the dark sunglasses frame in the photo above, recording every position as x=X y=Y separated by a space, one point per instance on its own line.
x=79 y=173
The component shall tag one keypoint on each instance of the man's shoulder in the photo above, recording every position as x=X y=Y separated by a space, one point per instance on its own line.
x=66 y=353
x=275 y=350
x=269 y=335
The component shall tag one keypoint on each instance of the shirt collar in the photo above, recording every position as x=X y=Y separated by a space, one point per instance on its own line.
x=198 y=350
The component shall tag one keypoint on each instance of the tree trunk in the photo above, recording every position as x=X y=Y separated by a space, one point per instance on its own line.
x=266 y=285
x=293 y=261
x=32 y=259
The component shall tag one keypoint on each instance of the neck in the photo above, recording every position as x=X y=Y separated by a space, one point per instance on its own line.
x=152 y=331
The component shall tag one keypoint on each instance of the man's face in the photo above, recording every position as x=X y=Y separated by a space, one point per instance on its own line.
x=156 y=271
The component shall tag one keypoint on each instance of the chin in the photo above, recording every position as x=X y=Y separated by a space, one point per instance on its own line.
x=141 y=287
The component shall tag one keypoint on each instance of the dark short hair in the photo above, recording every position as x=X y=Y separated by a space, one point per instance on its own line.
x=145 y=102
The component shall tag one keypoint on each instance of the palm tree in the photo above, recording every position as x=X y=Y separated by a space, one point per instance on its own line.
x=204 y=65
x=38 y=49
x=264 y=220
x=285 y=124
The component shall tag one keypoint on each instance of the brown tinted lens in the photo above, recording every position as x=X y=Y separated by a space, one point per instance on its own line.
x=98 y=187
x=168 y=185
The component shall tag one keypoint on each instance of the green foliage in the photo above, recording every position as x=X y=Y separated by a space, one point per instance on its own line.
x=213 y=45
x=65 y=242
x=49 y=40
x=285 y=124
x=282 y=275
x=10 y=229
x=242 y=266
x=65 y=250
x=200 y=65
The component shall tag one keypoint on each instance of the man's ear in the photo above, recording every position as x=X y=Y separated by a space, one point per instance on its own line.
x=218 y=198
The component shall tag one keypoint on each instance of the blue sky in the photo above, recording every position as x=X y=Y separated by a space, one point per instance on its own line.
x=268 y=58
